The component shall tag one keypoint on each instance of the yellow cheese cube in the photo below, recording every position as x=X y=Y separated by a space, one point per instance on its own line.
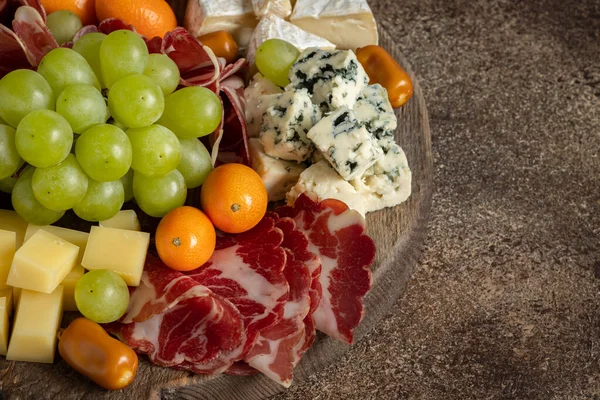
x=11 y=221
x=118 y=250
x=5 y=309
x=125 y=219
x=8 y=293
x=36 y=323
x=68 y=285
x=8 y=246
x=42 y=262
x=77 y=238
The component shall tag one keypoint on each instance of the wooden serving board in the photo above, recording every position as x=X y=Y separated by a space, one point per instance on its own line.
x=398 y=233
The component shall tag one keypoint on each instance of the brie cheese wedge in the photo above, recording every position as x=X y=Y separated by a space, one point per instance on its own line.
x=273 y=27
x=281 y=8
x=234 y=16
x=348 y=24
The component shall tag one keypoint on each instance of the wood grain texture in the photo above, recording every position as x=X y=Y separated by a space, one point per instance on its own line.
x=398 y=233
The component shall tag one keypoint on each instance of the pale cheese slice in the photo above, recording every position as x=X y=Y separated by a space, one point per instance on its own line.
x=234 y=16
x=349 y=24
x=273 y=27
x=281 y=8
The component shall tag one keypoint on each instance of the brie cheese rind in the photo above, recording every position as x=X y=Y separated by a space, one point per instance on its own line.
x=273 y=27
x=346 y=143
x=323 y=181
x=285 y=124
x=280 y=8
x=334 y=78
x=388 y=182
x=279 y=176
x=349 y=24
x=257 y=103
x=234 y=16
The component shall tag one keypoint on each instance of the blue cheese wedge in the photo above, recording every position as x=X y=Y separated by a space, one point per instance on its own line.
x=273 y=27
x=234 y=16
x=257 y=102
x=280 y=8
x=348 y=24
x=346 y=143
x=279 y=176
x=334 y=78
x=323 y=181
x=373 y=108
x=285 y=124
x=388 y=182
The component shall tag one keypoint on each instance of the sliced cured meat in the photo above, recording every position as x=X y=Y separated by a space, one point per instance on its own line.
x=179 y=322
x=337 y=235
x=8 y=8
x=247 y=269
x=231 y=141
x=278 y=348
x=197 y=63
x=110 y=25
x=30 y=27
x=12 y=52
x=84 y=30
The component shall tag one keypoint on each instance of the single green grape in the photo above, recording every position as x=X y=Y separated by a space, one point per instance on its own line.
x=136 y=101
x=195 y=163
x=102 y=201
x=88 y=46
x=27 y=206
x=102 y=296
x=61 y=186
x=64 y=67
x=104 y=152
x=156 y=150
x=83 y=106
x=23 y=91
x=163 y=71
x=122 y=53
x=158 y=196
x=127 y=181
x=63 y=25
x=192 y=112
x=44 y=138
x=274 y=58
x=10 y=159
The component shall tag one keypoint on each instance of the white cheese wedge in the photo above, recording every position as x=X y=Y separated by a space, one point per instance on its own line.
x=36 y=323
x=256 y=104
x=273 y=27
x=234 y=16
x=281 y=8
x=348 y=24
x=278 y=175
x=323 y=181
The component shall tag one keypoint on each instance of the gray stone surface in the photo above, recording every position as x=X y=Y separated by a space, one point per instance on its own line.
x=505 y=302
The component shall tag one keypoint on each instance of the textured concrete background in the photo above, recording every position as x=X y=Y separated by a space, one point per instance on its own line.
x=506 y=300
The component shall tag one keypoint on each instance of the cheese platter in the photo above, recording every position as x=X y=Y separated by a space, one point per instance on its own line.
x=322 y=129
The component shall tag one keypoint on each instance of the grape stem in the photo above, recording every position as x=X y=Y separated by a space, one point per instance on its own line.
x=17 y=174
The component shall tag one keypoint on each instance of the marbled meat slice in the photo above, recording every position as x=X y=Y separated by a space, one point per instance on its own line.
x=180 y=323
x=247 y=269
x=30 y=27
x=337 y=235
x=278 y=349
x=13 y=54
